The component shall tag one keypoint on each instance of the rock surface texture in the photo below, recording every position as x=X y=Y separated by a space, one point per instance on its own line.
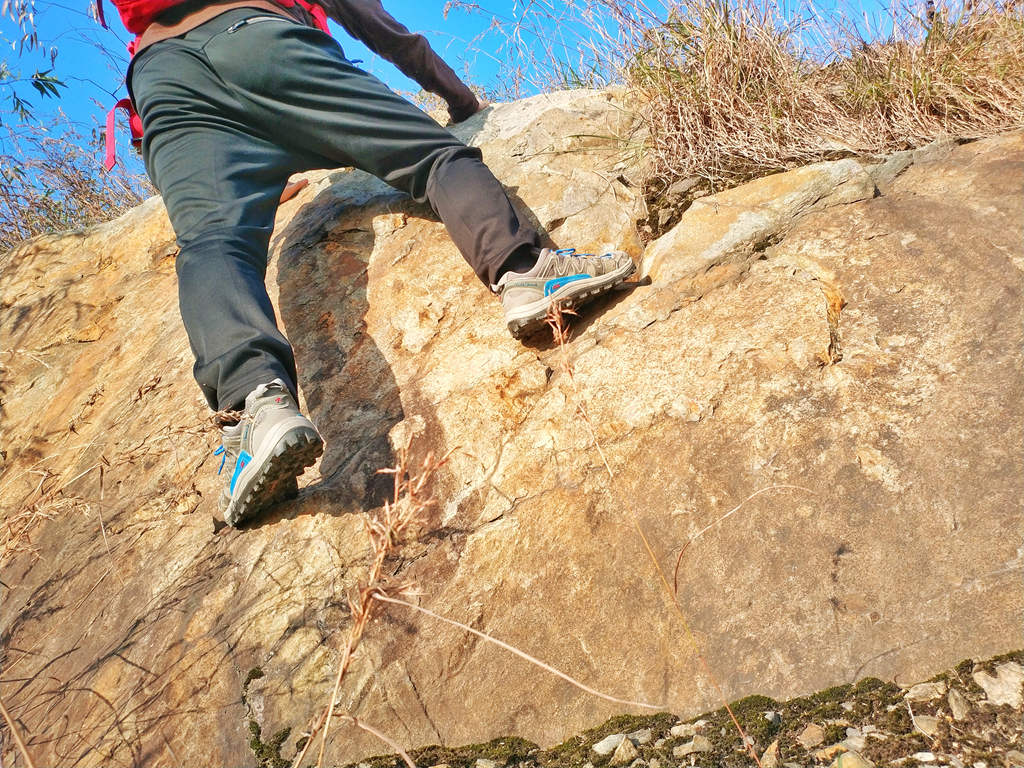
x=819 y=395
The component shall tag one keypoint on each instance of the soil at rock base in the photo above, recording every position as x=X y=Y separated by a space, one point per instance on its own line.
x=878 y=712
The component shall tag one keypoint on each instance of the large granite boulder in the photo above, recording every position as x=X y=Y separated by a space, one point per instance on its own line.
x=818 y=395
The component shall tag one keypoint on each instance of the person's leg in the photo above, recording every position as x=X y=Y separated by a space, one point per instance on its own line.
x=221 y=184
x=304 y=95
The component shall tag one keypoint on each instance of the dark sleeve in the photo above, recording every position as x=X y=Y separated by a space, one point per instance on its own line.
x=367 y=21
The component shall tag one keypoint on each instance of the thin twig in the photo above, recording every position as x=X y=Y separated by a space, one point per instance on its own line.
x=557 y=323
x=709 y=526
x=404 y=513
x=520 y=654
x=16 y=735
x=370 y=729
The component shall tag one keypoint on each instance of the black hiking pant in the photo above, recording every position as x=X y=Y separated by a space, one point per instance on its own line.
x=234 y=107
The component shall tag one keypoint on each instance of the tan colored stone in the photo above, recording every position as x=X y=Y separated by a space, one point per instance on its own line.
x=828 y=753
x=851 y=760
x=927 y=725
x=1005 y=687
x=811 y=736
x=770 y=758
x=729 y=375
x=625 y=753
x=926 y=691
x=959 y=705
x=695 y=745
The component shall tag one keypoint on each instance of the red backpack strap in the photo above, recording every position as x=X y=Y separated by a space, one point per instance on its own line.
x=134 y=122
x=99 y=14
x=314 y=10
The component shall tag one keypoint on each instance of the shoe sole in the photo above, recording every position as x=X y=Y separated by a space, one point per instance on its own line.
x=296 y=450
x=569 y=296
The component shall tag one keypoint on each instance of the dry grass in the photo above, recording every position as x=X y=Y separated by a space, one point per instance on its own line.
x=399 y=520
x=51 y=181
x=732 y=90
x=738 y=93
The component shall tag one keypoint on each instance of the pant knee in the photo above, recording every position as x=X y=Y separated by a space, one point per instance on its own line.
x=225 y=250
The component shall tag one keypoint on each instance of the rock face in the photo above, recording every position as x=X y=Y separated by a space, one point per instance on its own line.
x=819 y=396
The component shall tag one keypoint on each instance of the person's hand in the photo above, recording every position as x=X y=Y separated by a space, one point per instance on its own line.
x=481 y=105
x=292 y=189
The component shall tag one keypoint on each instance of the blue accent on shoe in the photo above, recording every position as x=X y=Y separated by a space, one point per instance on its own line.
x=221 y=452
x=243 y=459
x=565 y=251
x=557 y=282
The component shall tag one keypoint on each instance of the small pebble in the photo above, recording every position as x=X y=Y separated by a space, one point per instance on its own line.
x=698 y=744
x=826 y=754
x=855 y=740
x=924 y=757
x=773 y=717
x=770 y=758
x=958 y=705
x=654 y=763
x=811 y=736
x=926 y=691
x=687 y=730
x=926 y=724
x=625 y=753
x=1005 y=687
x=483 y=762
x=609 y=744
x=851 y=760
x=643 y=736
x=1014 y=758
x=660 y=743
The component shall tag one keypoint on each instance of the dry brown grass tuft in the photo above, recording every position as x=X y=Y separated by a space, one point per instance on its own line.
x=50 y=181
x=732 y=89
x=733 y=93
x=399 y=520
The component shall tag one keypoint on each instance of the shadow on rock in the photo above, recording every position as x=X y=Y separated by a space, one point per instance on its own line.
x=350 y=391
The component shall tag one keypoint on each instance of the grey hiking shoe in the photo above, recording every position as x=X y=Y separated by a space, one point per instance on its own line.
x=270 y=447
x=562 y=276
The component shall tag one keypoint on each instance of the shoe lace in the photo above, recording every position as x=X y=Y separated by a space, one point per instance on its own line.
x=223 y=453
x=566 y=259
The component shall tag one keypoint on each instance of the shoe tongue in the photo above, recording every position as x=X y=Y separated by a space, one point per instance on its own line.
x=262 y=390
x=534 y=271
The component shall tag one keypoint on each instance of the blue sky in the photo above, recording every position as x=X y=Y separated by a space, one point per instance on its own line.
x=91 y=60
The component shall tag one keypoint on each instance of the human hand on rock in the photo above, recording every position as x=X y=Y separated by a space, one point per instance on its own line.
x=292 y=189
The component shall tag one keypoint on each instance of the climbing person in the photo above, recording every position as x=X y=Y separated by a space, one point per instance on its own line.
x=234 y=97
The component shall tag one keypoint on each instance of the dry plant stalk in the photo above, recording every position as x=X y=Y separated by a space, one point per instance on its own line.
x=729 y=90
x=559 y=331
x=400 y=519
x=16 y=736
x=50 y=181
x=521 y=654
